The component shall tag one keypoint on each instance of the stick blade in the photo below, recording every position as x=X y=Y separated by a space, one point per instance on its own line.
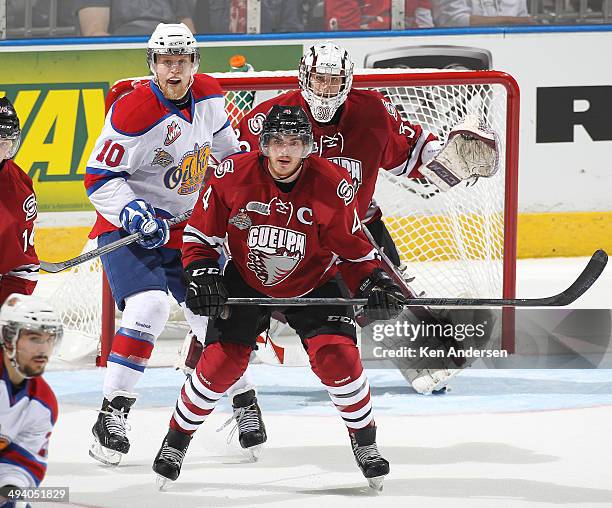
x=585 y=280
x=52 y=267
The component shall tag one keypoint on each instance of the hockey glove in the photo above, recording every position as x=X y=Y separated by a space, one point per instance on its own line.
x=385 y=298
x=471 y=151
x=138 y=216
x=206 y=291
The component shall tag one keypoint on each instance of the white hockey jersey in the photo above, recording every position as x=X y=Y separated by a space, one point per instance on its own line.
x=150 y=150
x=27 y=417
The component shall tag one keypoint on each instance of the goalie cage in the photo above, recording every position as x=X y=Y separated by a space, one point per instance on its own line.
x=456 y=243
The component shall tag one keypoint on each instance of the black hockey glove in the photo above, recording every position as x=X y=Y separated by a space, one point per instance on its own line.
x=206 y=291
x=385 y=298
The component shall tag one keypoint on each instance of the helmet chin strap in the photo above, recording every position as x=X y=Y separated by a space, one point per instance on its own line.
x=13 y=359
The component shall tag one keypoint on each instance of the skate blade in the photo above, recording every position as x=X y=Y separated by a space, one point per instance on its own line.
x=376 y=483
x=104 y=455
x=254 y=452
x=161 y=481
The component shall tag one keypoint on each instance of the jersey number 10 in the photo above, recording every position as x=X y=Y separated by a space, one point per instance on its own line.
x=113 y=156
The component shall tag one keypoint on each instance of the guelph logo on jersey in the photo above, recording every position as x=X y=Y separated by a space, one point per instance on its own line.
x=345 y=191
x=227 y=166
x=274 y=252
x=162 y=158
x=256 y=123
x=173 y=133
x=29 y=207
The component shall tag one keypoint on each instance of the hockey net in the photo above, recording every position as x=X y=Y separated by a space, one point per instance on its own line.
x=456 y=243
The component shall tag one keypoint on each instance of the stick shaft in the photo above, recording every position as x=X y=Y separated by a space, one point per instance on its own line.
x=583 y=282
x=92 y=254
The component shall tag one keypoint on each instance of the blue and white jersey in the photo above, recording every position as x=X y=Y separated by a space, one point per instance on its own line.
x=27 y=417
x=151 y=150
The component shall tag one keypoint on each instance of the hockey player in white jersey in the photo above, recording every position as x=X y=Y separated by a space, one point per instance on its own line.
x=29 y=331
x=148 y=165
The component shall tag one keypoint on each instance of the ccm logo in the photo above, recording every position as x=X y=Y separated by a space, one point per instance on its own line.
x=342 y=319
x=205 y=271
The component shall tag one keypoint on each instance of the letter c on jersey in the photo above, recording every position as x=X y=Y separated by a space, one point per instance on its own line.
x=301 y=215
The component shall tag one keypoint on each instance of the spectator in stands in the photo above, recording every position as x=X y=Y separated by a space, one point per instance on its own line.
x=480 y=12
x=213 y=16
x=281 y=16
x=374 y=14
x=229 y=16
x=15 y=17
x=114 y=17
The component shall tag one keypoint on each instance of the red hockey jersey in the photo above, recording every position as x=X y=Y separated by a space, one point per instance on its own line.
x=370 y=135
x=18 y=260
x=283 y=244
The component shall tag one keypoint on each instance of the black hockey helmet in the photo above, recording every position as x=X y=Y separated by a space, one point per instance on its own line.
x=286 y=120
x=9 y=126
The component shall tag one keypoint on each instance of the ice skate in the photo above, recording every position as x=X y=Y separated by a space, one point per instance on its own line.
x=369 y=460
x=249 y=423
x=110 y=439
x=169 y=459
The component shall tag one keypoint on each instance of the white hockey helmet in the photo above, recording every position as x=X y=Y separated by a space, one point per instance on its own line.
x=328 y=59
x=172 y=39
x=25 y=312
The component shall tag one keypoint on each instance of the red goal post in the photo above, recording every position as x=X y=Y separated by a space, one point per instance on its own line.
x=447 y=95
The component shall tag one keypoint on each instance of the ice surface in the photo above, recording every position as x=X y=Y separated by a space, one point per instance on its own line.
x=499 y=438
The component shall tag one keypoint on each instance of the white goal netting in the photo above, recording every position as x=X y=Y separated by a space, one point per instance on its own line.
x=455 y=243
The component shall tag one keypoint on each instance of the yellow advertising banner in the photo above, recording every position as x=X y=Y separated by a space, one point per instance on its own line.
x=59 y=96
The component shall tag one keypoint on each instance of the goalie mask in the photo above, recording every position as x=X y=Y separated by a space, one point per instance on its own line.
x=172 y=39
x=24 y=312
x=325 y=78
x=287 y=121
x=10 y=133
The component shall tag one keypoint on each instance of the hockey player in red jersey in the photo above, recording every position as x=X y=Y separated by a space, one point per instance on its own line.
x=29 y=331
x=361 y=131
x=290 y=222
x=18 y=263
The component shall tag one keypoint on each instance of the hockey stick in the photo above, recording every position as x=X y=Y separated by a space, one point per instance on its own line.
x=92 y=254
x=583 y=282
x=391 y=269
x=420 y=312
